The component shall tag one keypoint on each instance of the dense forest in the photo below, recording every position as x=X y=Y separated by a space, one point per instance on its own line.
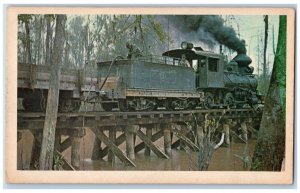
x=91 y=38
x=88 y=38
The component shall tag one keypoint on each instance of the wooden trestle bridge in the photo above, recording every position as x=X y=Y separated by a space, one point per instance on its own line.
x=164 y=123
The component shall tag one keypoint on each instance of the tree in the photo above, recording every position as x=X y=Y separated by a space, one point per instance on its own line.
x=25 y=19
x=49 y=19
x=266 y=20
x=270 y=146
x=46 y=156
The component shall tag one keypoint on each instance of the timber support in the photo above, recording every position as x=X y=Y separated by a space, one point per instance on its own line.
x=112 y=137
x=167 y=140
x=149 y=136
x=130 y=131
x=113 y=129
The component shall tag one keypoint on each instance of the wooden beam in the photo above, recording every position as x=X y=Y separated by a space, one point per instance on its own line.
x=130 y=141
x=186 y=140
x=36 y=149
x=167 y=142
x=232 y=133
x=65 y=144
x=149 y=143
x=226 y=130
x=119 y=141
x=175 y=144
x=75 y=152
x=97 y=150
x=112 y=146
x=184 y=131
x=57 y=143
x=149 y=135
x=112 y=137
x=154 y=138
x=66 y=164
x=254 y=132
x=244 y=130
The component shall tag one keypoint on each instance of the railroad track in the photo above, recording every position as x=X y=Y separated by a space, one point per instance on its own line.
x=96 y=119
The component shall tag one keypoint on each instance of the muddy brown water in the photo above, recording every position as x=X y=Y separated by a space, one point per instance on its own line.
x=224 y=158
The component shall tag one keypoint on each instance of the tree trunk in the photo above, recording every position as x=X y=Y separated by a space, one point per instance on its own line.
x=48 y=38
x=270 y=147
x=266 y=20
x=46 y=157
x=28 y=46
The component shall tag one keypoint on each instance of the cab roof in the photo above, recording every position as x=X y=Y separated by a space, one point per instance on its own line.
x=190 y=53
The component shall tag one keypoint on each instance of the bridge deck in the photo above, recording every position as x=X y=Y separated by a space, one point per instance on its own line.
x=28 y=120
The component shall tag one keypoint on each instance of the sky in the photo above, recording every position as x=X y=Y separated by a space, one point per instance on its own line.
x=251 y=29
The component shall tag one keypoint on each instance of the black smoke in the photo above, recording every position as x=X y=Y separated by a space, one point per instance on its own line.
x=212 y=24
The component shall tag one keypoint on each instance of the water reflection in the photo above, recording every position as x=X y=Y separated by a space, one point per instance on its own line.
x=223 y=159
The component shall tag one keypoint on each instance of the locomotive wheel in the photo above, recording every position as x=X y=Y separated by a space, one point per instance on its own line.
x=153 y=107
x=209 y=100
x=123 y=106
x=107 y=106
x=229 y=100
x=168 y=105
x=191 y=105
x=139 y=104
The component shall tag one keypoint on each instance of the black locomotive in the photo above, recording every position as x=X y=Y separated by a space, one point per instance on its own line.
x=184 y=78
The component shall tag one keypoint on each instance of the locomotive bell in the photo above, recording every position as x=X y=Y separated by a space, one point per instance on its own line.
x=187 y=45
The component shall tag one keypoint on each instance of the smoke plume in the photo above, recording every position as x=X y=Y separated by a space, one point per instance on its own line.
x=212 y=24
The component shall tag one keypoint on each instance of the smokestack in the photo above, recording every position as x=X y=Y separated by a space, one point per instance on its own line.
x=242 y=48
x=221 y=49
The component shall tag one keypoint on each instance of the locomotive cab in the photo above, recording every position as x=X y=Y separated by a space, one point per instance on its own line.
x=208 y=67
x=210 y=70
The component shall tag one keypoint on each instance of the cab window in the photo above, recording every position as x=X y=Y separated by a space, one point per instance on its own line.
x=213 y=64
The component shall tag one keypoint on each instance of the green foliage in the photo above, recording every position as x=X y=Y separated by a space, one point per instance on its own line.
x=24 y=18
x=50 y=17
x=158 y=29
x=58 y=162
x=256 y=165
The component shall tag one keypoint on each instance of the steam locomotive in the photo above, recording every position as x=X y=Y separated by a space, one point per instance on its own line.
x=148 y=83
